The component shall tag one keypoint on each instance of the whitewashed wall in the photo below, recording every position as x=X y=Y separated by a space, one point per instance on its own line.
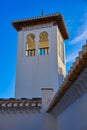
x=34 y=73
x=27 y=121
x=75 y=116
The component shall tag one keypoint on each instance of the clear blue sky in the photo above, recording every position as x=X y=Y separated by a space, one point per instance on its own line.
x=75 y=16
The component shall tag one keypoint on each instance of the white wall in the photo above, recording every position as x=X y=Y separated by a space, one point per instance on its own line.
x=75 y=116
x=27 y=121
x=34 y=73
x=61 y=65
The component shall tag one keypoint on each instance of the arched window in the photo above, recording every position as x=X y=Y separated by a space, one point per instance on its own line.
x=30 y=45
x=44 y=43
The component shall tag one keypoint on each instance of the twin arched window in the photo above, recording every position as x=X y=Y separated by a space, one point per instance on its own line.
x=30 y=45
x=43 y=44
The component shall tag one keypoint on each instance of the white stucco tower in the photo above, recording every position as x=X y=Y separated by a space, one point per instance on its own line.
x=41 y=54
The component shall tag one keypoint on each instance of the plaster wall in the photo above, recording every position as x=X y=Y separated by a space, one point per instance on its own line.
x=27 y=121
x=61 y=65
x=36 y=72
x=71 y=111
x=75 y=116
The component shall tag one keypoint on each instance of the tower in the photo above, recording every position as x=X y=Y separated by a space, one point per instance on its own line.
x=41 y=54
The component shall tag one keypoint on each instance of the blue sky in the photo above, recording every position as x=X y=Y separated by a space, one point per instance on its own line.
x=75 y=16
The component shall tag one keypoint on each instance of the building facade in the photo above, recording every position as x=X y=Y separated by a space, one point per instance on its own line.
x=67 y=109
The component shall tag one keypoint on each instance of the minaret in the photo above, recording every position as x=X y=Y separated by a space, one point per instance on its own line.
x=41 y=54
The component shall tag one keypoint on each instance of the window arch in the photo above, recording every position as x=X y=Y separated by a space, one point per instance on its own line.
x=44 y=43
x=30 y=45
